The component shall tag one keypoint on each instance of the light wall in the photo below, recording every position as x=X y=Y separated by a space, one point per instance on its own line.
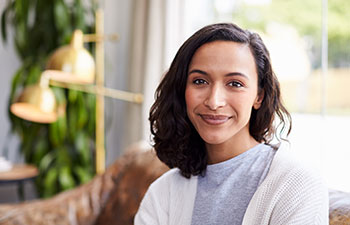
x=8 y=65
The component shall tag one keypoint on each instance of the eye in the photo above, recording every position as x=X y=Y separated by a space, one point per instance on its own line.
x=199 y=81
x=235 y=84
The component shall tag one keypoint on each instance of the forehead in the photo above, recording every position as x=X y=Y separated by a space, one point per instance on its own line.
x=225 y=56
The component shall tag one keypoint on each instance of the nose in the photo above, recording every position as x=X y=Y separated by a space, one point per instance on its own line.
x=216 y=98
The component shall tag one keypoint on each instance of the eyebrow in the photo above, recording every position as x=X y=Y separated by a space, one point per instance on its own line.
x=226 y=75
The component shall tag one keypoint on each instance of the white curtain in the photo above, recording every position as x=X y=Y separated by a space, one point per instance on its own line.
x=156 y=35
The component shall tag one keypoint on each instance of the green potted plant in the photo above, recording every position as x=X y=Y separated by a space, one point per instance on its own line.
x=63 y=151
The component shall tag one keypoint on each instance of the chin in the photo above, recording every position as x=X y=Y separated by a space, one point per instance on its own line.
x=212 y=140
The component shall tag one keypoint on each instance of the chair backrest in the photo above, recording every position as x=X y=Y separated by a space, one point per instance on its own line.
x=339 y=207
x=131 y=184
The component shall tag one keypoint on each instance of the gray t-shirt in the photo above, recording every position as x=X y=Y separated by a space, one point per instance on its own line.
x=224 y=192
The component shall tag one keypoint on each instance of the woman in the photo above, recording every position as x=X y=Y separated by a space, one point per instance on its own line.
x=212 y=122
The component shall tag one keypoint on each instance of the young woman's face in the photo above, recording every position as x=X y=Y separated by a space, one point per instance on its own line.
x=221 y=90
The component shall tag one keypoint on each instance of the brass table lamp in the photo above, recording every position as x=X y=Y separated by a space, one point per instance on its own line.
x=72 y=63
x=36 y=103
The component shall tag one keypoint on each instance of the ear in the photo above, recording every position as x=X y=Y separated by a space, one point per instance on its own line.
x=259 y=99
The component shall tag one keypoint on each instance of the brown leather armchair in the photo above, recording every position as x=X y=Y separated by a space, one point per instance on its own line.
x=113 y=198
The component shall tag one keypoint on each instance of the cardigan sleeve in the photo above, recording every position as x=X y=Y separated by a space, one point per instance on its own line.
x=154 y=205
x=150 y=212
x=168 y=201
x=301 y=199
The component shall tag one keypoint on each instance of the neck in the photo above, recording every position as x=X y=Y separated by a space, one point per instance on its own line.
x=235 y=146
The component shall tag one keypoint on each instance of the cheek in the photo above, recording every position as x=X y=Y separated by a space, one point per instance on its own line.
x=192 y=103
x=242 y=104
x=190 y=99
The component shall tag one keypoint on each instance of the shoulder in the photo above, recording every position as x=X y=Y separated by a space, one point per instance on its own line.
x=168 y=197
x=154 y=207
x=172 y=183
x=171 y=177
x=286 y=168
x=295 y=183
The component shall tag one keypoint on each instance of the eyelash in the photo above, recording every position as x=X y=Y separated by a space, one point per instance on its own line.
x=231 y=83
x=235 y=84
x=199 y=81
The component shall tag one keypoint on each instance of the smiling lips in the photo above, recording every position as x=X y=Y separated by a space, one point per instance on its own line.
x=214 y=119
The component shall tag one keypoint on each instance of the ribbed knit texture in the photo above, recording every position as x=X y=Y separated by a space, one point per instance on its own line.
x=291 y=194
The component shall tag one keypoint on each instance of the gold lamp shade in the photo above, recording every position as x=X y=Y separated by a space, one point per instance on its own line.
x=72 y=63
x=37 y=104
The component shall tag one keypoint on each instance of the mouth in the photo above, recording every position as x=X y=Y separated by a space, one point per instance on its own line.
x=214 y=119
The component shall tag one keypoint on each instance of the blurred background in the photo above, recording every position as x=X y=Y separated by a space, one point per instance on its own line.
x=309 y=43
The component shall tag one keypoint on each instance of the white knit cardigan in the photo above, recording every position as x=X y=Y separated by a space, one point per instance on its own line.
x=291 y=194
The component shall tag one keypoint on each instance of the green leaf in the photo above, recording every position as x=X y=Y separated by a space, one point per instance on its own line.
x=60 y=95
x=20 y=38
x=91 y=106
x=16 y=81
x=4 y=22
x=66 y=35
x=50 y=182
x=40 y=150
x=82 y=111
x=63 y=156
x=31 y=132
x=33 y=74
x=72 y=96
x=21 y=9
x=72 y=122
x=83 y=174
x=18 y=9
x=61 y=15
x=66 y=179
x=57 y=131
x=82 y=145
x=79 y=15
x=47 y=160
x=54 y=135
x=62 y=127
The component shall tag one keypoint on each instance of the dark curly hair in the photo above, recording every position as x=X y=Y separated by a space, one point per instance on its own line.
x=176 y=141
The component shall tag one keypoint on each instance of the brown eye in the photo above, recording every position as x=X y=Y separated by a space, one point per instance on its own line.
x=199 y=81
x=235 y=84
